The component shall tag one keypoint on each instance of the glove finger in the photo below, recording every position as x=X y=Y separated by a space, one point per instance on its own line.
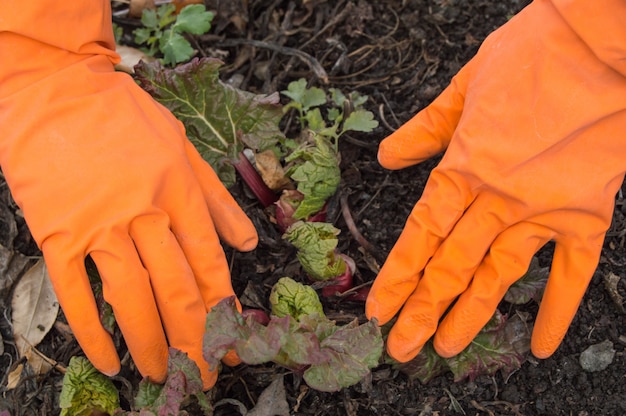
x=508 y=259
x=429 y=132
x=442 y=204
x=231 y=223
x=195 y=230
x=446 y=276
x=180 y=303
x=573 y=264
x=126 y=287
x=71 y=285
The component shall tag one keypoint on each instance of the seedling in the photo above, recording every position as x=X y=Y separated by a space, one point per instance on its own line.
x=164 y=30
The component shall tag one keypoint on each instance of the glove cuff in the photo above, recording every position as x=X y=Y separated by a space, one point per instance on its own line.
x=41 y=37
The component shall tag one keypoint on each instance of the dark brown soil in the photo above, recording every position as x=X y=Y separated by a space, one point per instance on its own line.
x=401 y=53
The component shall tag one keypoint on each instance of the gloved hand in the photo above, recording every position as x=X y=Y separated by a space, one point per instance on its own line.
x=534 y=131
x=99 y=168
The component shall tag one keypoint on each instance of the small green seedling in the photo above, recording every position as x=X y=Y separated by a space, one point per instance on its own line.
x=163 y=31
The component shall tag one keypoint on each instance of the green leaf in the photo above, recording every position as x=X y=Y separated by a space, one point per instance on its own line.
x=425 y=366
x=142 y=35
x=331 y=356
x=352 y=350
x=194 y=19
x=316 y=243
x=175 y=47
x=306 y=97
x=218 y=118
x=317 y=173
x=147 y=394
x=493 y=349
x=149 y=19
x=85 y=390
x=289 y=297
x=360 y=120
x=530 y=286
x=337 y=97
x=314 y=120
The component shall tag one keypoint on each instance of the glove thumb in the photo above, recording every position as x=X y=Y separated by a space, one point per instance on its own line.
x=429 y=132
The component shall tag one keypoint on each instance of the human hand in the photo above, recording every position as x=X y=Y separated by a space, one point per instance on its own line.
x=101 y=169
x=533 y=127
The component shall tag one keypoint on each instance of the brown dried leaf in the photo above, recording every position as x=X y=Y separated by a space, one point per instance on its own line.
x=130 y=57
x=34 y=307
x=272 y=171
x=273 y=400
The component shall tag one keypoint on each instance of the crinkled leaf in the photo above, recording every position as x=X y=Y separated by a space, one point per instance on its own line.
x=333 y=356
x=530 y=286
x=316 y=243
x=291 y=298
x=194 y=19
x=183 y=381
x=263 y=343
x=425 y=366
x=85 y=390
x=317 y=173
x=360 y=120
x=302 y=347
x=224 y=326
x=353 y=350
x=219 y=119
x=147 y=394
x=493 y=349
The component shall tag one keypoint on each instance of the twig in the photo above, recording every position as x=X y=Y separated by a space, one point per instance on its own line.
x=347 y=216
x=312 y=63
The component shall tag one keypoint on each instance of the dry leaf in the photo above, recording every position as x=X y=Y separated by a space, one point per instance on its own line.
x=34 y=307
x=136 y=7
x=273 y=401
x=271 y=170
x=15 y=376
x=37 y=362
x=130 y=58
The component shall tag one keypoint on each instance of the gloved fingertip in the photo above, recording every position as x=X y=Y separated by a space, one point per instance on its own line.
x=231 y=358
x=209 y=378
x=373 y=310
x=249 y=244
x=110 y=371
x=402 y=349
x=447 y=350
x=402 y=354
x=542 y=349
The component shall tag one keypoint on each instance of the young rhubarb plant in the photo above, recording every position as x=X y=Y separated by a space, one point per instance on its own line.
x=314 y=163
x=316 y=244
x=298 y=337
x=86 y=391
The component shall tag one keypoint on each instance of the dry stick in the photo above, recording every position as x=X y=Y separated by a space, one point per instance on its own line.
x=312 y=63
x=381 y=112
x=347 y=216
x=338 y=18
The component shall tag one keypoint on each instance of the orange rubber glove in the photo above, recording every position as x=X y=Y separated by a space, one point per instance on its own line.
x=534 y=131
x=99 y=168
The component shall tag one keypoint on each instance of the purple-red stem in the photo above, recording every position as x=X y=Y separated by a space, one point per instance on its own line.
x=253 y=179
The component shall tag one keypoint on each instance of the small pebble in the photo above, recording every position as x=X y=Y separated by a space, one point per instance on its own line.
x=597 y=357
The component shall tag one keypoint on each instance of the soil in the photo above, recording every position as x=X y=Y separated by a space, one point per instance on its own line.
x=401 y=53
